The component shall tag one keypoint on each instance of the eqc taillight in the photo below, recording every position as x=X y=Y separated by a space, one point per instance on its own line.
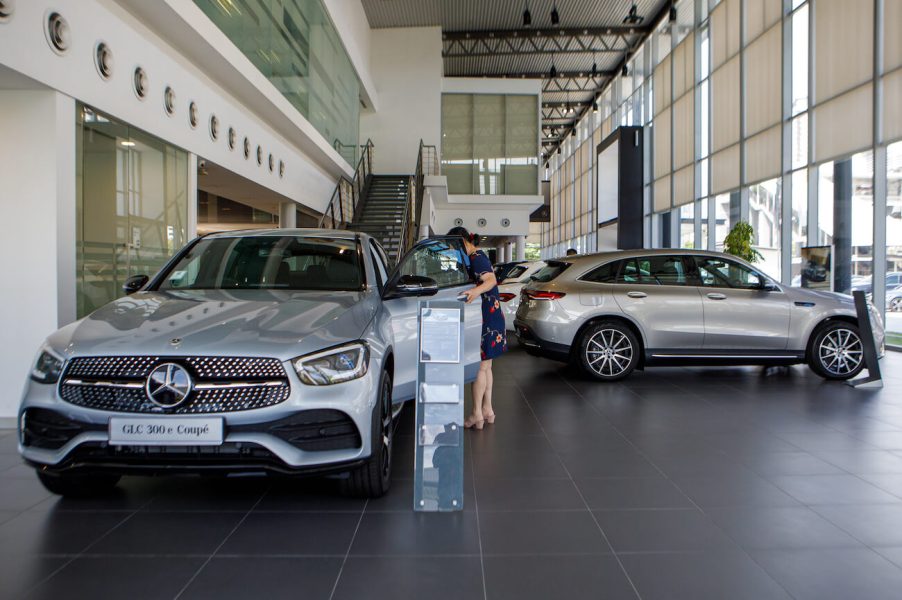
x=506 y=297
x=543 y=295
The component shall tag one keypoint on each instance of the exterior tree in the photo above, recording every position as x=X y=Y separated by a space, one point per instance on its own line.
x=739 y=242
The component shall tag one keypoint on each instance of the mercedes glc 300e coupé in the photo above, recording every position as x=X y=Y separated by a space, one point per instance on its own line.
x=283 y=351
x=614 y=312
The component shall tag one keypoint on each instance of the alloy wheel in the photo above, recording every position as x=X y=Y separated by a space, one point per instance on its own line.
x=609 y=352
x=386 y=429
x=895 y=304
x=840 y=351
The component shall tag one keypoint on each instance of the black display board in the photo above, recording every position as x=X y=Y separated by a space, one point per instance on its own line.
x=628 y=183
x=871 y=360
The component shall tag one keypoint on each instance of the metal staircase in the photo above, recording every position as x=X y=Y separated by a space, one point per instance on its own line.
x=384 y=211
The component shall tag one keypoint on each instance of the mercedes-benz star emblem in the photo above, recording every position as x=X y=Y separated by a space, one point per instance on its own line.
x=168 y=385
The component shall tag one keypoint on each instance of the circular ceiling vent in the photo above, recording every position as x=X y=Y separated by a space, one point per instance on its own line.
x=259 y=155
x=505 y=222
x=458 y=222
x=141 y=85
x=103 y=60
x=192 y=114
x=7 y=7
x=482 y=222
x=247 y=148
x=272 y=163
x=169 y=100
x=281 y=168
x=57 y=32
x=233 y=138
x=214 y=127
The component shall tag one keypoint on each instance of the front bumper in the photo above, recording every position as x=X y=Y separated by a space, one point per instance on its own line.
x=318 y=428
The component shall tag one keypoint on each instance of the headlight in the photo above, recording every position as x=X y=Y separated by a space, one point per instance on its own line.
x=47 y=367
x=335 y=365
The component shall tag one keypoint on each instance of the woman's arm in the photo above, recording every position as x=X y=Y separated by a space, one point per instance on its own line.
x=486 y=282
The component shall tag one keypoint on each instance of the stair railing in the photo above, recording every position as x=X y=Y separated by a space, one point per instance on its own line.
x=427 y=164
x=345 y=200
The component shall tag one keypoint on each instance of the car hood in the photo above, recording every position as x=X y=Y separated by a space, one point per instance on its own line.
x=278 y=324
x=823 y=297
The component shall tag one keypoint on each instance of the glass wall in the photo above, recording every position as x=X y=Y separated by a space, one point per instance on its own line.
x=132 y=206
x=294 y=44
x=894 y=244
x=490 y=143
x=752 y=112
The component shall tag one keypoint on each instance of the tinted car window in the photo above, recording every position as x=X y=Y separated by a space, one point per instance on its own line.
x=655 y=270
x=515 y=272
x=440 y=260
x=719 y=272
x=550 y=271
x=267 y=262
x=606 y=273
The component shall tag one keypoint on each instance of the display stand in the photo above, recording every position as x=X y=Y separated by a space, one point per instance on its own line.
x=438 y=467
x=871 y=363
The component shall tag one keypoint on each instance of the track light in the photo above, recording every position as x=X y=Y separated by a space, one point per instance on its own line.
x=595 y=106
x=527 y=17
x=625 y=71
x=633 y=17
x=555 y=17
x=673 y=13
x=594 y=65
x=553 y=72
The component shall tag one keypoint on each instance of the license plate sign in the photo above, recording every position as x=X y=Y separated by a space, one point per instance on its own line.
x=165 y=431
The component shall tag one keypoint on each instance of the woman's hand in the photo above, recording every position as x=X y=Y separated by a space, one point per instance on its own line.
x=472 y=294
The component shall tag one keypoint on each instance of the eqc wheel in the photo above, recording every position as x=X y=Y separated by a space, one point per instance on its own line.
x=836 y=352
x=608 y=351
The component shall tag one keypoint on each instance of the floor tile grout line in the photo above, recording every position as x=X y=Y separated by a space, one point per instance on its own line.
x=694 y=503
x=344 y=561
x=478 y=526
x=221 y=544
x=581 y=496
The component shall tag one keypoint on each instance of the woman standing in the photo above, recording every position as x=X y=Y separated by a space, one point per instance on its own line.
x=494 y=339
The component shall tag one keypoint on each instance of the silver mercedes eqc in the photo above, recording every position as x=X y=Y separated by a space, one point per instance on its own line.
x=614 y=312
x=281 y=351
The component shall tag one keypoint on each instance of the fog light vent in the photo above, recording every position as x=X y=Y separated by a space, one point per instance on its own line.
x=103 y=60
x=58 y=34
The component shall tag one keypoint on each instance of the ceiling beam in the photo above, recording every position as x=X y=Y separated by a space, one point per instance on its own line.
x=543 y=33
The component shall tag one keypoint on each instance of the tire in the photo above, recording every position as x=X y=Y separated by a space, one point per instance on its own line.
x=78 y=486
x=373 y=478
x=836 y=351
x=895 y=305
x=608 y=351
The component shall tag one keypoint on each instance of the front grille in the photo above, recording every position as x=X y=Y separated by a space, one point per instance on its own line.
x=221 y=384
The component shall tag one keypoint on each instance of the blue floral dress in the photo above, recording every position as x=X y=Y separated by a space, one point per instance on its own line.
x=494 y=336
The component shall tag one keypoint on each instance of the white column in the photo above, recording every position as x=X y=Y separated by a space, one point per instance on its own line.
x=521 y=247
x=192 y=197
x=37 y=168
x=288 y=215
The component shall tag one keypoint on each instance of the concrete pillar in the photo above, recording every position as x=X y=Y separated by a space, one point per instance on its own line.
x=842 y=226
x=38 y=206
x=521 y=247
x=288 y=215
x=499 y=252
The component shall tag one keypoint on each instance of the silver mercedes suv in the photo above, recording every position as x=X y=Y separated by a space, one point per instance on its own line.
x=284 y=351
x=614 y=312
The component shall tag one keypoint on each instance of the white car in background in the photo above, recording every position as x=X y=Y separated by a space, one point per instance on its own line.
x=509 y=289
x=894 y=299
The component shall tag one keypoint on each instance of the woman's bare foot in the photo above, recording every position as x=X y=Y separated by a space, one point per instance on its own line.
x=474 y=422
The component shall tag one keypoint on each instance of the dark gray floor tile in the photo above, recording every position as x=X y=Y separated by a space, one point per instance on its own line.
x=21 y=572
x=521 y=463
x=391 y=578
x=55 y=532
x=293 y=533
x=894 y=555
x=606 y=443
x=631 y=493
x=885 y=440
x=132 y=493
x=628 y=463
x=700 y=576
x=208 y=493
x=832 y=489
x=571 y=577
x=661 y=531
x=168 y=533
x=825 y=442
x=874 y=525
x=547 y=532
x=864 y=462
x=527 y=494
x=890 y=482
x=317 y=495
x=760 y=528
x=269 y=578
x=6 y=515
x=22 y=494
x=739 y=488
x=496 y=440
x=841 y=573
x=411 y=534
x=120 y=577
x=400 y=497
x=9 y=444
x=788 y=463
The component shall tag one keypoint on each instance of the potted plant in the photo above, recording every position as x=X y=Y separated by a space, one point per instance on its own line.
x=739 y=242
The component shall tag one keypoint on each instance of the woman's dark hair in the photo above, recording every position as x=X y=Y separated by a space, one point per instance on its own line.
x=462 y=233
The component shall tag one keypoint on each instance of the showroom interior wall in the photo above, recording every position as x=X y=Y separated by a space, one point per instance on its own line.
x=409 y=89
x=38 y=242
x=732 y=131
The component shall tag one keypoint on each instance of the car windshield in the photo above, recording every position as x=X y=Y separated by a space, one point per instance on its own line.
x=267 y=262
x=550 y=271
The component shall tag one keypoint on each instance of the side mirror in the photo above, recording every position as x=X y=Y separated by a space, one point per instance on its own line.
x=768 y=286
x=415 y=285
x=134 y=283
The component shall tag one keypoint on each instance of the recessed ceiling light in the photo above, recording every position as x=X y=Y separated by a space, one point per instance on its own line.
x=127 y=144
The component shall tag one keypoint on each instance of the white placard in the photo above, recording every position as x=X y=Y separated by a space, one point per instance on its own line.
x=440 y=393
x=165 y=431
x=440 y=335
